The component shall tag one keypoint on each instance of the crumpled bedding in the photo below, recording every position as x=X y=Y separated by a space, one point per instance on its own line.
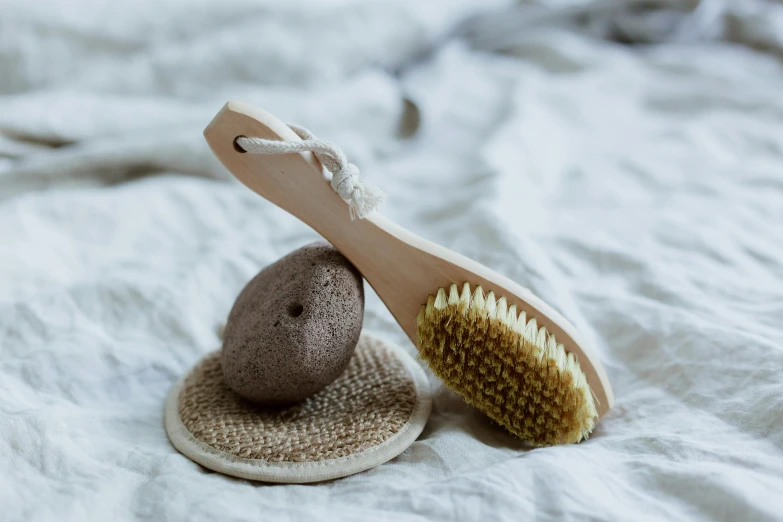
x=637 y=188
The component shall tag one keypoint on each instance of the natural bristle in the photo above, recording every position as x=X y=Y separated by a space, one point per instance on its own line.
x=506 y=366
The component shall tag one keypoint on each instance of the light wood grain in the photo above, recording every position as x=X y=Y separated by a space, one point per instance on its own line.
x=402 y=267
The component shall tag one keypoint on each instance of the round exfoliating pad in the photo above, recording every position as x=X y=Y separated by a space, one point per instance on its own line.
x=374 y=410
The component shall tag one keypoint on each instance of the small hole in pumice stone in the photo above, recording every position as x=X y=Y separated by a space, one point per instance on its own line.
x=236 y=145
x=277 y=323
x=295 y=309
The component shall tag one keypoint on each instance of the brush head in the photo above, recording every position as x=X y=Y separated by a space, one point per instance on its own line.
x=502 y=363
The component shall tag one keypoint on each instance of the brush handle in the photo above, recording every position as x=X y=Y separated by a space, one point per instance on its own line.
x=402 y=268
x=296 y=183
x=382 y=251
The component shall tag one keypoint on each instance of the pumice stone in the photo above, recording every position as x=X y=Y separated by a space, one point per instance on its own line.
x=294 y=327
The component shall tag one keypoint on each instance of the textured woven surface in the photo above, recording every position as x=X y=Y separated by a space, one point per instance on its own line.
x=371 y=401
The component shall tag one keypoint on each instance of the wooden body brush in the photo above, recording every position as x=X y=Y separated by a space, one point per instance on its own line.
x=503 y=349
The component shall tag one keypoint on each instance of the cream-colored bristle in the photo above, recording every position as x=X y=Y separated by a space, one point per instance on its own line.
x=531 y=331
x=465 y=293
x=521 y=324
x=464 y=298
x=453 y=295
x=441 y=301
x=491 y=305
x=541 y=338
x=478 y=301
x=506 y=365
x=571 y=365
x=551 y=345
x=559 y=356
x=502 y=311
x=512 y=317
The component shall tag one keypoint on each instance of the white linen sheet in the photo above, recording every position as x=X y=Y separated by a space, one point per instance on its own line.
x=638 y=189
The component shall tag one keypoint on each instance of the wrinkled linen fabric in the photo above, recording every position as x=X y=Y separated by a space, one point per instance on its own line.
x=638 y=189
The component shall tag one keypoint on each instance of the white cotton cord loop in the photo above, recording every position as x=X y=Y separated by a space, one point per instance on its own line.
x=362 y=198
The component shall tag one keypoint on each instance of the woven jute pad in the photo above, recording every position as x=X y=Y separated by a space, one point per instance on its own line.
x=369 y=415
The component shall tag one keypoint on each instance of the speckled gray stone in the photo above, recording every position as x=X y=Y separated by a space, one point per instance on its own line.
x=294 y=327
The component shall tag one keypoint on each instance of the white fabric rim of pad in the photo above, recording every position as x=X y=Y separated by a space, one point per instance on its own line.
x=303 y=472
